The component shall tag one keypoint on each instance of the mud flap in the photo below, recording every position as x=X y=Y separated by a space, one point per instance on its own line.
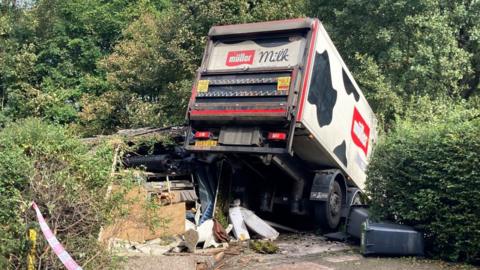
x=322 y=184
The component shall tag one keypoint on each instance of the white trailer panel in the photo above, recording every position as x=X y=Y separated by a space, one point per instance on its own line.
x=334 y=111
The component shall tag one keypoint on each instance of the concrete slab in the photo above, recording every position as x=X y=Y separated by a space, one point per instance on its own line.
x=300 y=266
x=163 y=262
x=346 y=258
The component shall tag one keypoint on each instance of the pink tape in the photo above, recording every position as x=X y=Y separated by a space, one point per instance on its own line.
x=61 y=253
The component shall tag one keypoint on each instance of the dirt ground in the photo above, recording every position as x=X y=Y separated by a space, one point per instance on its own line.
x=296 y=251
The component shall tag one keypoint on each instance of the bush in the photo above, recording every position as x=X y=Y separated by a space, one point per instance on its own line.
x=425 y=173
x=45 y=163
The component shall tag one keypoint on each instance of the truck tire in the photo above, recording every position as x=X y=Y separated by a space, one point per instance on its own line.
x=327 y=214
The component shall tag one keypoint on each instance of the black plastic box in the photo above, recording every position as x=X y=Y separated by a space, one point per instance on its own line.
x=357 y=217
x=391 y=239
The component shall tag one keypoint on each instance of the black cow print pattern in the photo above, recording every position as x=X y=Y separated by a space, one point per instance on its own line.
x=349 y=88
x=341 y=152
x=321 y=92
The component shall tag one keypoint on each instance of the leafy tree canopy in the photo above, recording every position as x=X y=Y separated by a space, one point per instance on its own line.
x=401 y=49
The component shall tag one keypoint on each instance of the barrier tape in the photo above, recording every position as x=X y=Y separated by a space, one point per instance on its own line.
x=61 y=253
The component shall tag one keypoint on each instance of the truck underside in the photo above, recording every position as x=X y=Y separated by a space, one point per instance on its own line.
x=278 y=186
x=285 y=185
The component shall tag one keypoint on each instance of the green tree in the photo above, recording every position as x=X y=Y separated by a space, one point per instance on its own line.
x=417 y=47
x=160 y=51
x=50 y=52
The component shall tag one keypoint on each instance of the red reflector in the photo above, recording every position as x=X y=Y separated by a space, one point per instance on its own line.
x=277 y=136
x=202 y=134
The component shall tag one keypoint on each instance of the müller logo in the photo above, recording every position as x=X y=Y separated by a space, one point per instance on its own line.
x=360 y=131
x=235 y=58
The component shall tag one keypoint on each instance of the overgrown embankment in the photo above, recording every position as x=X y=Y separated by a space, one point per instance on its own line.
x=425 y=172
x=45 y=163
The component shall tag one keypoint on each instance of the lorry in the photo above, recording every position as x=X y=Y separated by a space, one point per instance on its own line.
x=277 y=100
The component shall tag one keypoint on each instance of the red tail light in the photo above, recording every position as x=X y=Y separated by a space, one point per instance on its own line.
x=202 y=134
x=277 y=136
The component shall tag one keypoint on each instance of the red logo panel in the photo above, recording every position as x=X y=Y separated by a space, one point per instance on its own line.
x=360 y=131
x=236 y=58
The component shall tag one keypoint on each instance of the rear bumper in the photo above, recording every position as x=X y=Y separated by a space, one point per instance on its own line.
x=241 y=114
x=237 y=149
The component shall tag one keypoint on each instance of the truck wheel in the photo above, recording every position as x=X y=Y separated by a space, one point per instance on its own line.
x=328 y=213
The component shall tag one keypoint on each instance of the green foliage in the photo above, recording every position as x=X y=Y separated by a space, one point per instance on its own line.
x=425 y=173
x=415 y=47
x=263 y=246
x=47 y=164
x=57 y=57
x=50 y=52
x=105 y=65
x=160 y=51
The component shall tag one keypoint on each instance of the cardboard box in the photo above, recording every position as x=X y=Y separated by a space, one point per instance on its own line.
x=137 y=225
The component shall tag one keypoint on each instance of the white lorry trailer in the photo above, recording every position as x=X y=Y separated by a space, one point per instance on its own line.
x=277 y=95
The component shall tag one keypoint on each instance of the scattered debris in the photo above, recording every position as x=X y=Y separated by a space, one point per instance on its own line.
x=239 y=228
x=155 y=247
x=264 y=247
x=213 y=251
x=257 y=225
x=219 y=256
x=205 y=234
x=191 y=188
x=178 y=189
x=189 y=225
x=297 y=245
x=201 y=234
x=282 y=227
x=191 y=239
x=219 y=232
x=229 y=228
